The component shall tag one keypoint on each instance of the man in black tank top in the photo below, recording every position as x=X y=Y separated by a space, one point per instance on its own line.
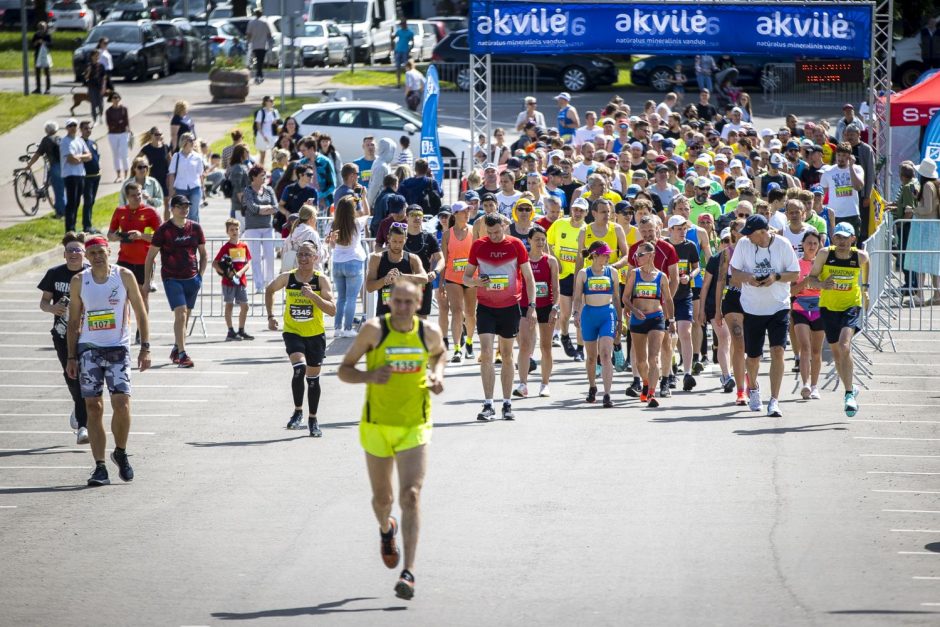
x=387 y=266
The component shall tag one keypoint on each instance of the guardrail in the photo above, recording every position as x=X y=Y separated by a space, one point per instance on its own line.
x=506 y=78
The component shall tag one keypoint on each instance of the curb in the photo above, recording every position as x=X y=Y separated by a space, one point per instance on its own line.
x=32 y=262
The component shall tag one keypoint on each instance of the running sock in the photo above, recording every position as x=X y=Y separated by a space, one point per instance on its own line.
x=507 y=401
x=313 y=394
x=636 y=379
x=488 y=401
x=446 y=343
x=97 y=463
x=240 y=329
x=297 y=384
x=695 y=357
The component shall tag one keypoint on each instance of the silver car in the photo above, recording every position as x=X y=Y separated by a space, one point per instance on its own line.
x=322 y=44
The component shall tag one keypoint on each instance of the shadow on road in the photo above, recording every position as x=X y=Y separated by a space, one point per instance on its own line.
x=245 y=442
x=45 y=489
x=741 y=414
x=333 y=607
x=45 y=450
x=782 y=430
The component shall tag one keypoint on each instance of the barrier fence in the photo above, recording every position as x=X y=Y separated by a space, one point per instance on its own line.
x=782 y=90
x=506 y=78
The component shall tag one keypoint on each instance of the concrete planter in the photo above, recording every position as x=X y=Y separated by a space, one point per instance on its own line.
x=229 y=85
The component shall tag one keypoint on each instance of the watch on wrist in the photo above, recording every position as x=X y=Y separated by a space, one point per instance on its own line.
x=532 y=305
x=145 y=346
x=776 y=276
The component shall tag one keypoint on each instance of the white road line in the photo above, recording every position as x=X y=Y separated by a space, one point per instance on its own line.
x=58 y=450
x=917 y=530
x=912 y=511
x=872 y=437
x=152 y=371
x=905 y=365
x=71 y=432
x=42 y=467
x=915 y=422
x=926 y=578
x=906 y=491
x=897 y=472
x=7 y=506
x=930 y=604
x=918 y=553
x=106 y=415
x=68 y=400
x=136 y=385
x=884 y=455
x=29 y=359
x=257 y=347
x=889 y=404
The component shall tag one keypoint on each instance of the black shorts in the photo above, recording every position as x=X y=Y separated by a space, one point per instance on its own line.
x=684 y=309
x=756 y=328
x=313 y=347
x=731 y=303
x=501 y=321
x=136 y=268
x=709 y=310
x=456 y=283
x=814 y=325
x=425 y=309
x=642 y=327
x=566 y=286
x=835 y=321
x=542 y=314
x=696 y=293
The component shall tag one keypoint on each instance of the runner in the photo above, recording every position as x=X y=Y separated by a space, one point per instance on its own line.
x=504 y=264
x=688 y=267
x=707 y=311
x=599 y=318
x=98 y=343
x=55 y=286
x=563 y=238
x=390 y=265
x=764 y=265
x=405 y=361
x=650 y=305
x=308 y=296
x=730 y=315
x=425 y=246
x=807 y=320
x=461 y=295
x=836 y=273
x=545 y=273
x=177 y=241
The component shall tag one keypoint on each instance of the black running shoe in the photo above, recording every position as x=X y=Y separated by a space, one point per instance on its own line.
x=664 y=390
x=125 y=472
x=592 y=394
x=99 y=476
x=231 y=336
x=295 y=419
x=652 y=402
x=405 y=588
x=314 y=428
x=728 y=387
x=567 y=345
x=468 y=349
x=688 y=382
x=507 y=412
x=673 y=382
x=533 y=365
x=388 y=548
x=796 y=365
x=698 y=367
x=607 y=402
x=244 y=336
x=634 y=390
x=579 y=353
x=487 y=414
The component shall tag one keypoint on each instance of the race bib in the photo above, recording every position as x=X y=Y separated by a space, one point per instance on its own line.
x=459 y=265
x=598 y=284
x=568 y=255
x=843 y=191
x=386 y=294
x=237 y=254
x=541 y=290
x=843 y=282
x=498 y=282
x=102 y=320
x=683 y=267
x=301 y=313
x=644 y=290
x=404 y=359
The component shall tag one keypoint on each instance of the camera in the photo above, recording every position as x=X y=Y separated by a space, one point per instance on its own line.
x=125 y=237
x=227 y=267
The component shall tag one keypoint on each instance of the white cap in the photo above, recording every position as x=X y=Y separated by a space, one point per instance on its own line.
x=581 y=203
x=556 y=153
x=767 y=133
x=721 y=157
x=459 y=206
x=657 y=137
x=563 y=96
x=778 y=160
x=676 y=221
x=71 y=121
x=776 y=143
x=637 y=145
x=741 y=182
x=735 y=163
x=737 y=110
x=725 y=232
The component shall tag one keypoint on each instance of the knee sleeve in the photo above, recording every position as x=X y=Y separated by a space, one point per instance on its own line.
x=313 y=394
x=297 y=383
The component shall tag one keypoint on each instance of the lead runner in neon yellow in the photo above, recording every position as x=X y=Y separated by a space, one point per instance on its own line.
x=404 y=364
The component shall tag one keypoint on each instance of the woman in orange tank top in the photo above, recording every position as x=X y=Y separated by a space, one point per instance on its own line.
x=455 y=247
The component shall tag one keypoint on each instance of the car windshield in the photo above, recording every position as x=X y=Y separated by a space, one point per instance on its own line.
x=66 y=6
x=119 y=33
x=313 y=30
x=221 y=12
x=342 y=12
x=408 y=115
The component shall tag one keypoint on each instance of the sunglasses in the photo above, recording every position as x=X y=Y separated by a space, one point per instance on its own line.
x=523 y=209
x=743 y=215
x=143 y=167
x=644 y=253
x=305 y=255
x=75 y=250
x=400 y=225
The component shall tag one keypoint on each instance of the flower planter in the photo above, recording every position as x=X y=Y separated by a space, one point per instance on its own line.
x=229 y=85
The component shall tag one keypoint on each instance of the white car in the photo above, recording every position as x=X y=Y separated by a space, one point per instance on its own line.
x=72 y=15
x=322 y=44
x=347 y=122
x=424 y=41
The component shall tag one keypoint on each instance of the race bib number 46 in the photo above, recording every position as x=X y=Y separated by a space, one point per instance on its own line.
x=499 y=282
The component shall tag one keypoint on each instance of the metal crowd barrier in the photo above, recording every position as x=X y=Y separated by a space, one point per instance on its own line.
x=781 y=89
x=507 y=78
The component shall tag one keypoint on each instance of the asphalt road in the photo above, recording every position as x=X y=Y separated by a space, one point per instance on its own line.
x=697 y=513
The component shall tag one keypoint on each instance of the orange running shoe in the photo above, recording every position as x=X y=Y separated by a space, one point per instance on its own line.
x=740 y=400
x=388 y=546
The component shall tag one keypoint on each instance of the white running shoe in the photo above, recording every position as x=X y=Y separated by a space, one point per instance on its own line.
x=814 y=393
x=522 y=390
x=82 y=436
x=851 y=404
x=806 y=392
x=754 y=402
x=544 y=391
x=73 y=421
x=773 y=408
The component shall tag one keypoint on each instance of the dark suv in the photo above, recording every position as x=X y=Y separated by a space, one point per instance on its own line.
x=179 y=50
x=137 y=48
x=574 y=72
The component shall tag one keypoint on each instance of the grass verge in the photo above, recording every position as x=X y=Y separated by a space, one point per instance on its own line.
x=370 y=78
x=245 y=125
x=17 y=108
x=63 y=44
x=40 y=234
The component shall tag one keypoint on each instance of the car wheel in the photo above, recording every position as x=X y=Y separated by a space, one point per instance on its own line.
x=574 y=79
x=345 y=60
x=463 y=79
x=908 y=74
x=660 y=79
x=164 y=68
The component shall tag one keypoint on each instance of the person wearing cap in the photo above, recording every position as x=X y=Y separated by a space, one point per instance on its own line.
x=461 y=296
x=388 y=265
x=530 y=115
x=764 y=266
x=701 y=201
x=735 y=123
x=523 y=213
x=661 y=187
x=841 y=274
x=563 y=238
x=490 y=180
x=98 y=341
x=177 y=241
x=567 y=118
x=74 y=155
x=865 y=157
x=688 y=268
x=792 y=155
x=925 y=233
x=472 y=198
x=808 y=198
x=812 y=173
x=844 y=182
x=397 y=208
x=489 y=205
x=775 y=175
x=553 y=180
x=728 y=193
x=706 y=311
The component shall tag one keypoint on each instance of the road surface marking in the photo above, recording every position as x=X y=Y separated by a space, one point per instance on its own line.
x=871 y=437
x=917 y=422
x=59 y=415
x=912 y=511
x=899 y=472
x=42 y=467
x=136 y=385
x=890 y=404
x=885 y=455
x=927 y=578
x=906 y=491
x=917 y=530
x=918 y=553
x=73 y=433
x=149 y=372
x=47 y=452
x=70 y=401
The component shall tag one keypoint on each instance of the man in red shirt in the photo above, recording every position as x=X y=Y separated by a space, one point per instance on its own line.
x=134 y=225
x=666 y=261
x=504 y=264
x=177 y=241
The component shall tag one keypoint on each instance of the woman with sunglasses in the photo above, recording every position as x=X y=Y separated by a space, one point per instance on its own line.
x=597 y=312
x=730 y=313
x=392 y=264
x=157 y=154
x=646 y=296
x=150 y=187
x=707 y=311
x=522 y=219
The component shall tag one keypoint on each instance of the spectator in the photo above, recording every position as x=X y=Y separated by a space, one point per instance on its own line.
x=42 y=54
x=186 y=173
x=265 y=125
x=380 y=168
x=414 y=86
x=260 y=39
x=95 y=83
x=530 y=115
x=422 y=189
x=92 y=177
x=364 y=163
x=180 y=123
x=326 y=148
x=925 y=233
x=295 y=195
x=279 y=160
x=237 y=176
x=157 y=155
x=303 y=230
x=865 y=157
x=106 y=61
x=904 y=210
x=848 y=117
x=260 y=207
x=120 y=136
x=404 y=41
x=405 y=156
x=151 y=190
x=704 y=68
x=49 y=149
x=74 y=153
x=237 y=138
x=348 y=258
x=380 y=210
x=929 y=44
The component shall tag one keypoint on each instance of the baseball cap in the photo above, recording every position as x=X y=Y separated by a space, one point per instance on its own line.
x=396 y=203
x=661 y=168
x=657 y=137
x=523 y=201
x=817 y=190
x=843 y=228
x=580 y=203
x=737 y=110
x=848 y=105
x=529 y=157
x=622 y=207
x=471 y=195
x=766 y=132
x=556 y=153
x=701 y=182
x=725 y=232
x=177 y=201
x=776 y=144
x=457 y=206
x=514 y=163
x=755 y=223
x=721 y=157
x=489 y=198
x=640 y=174
x=636 y=145
x=701 y=161
x=676 y=221
x=792 y=145
x=735 y=163
x=816 y=148
x=772 y=186
x=490 y=166
x=777 y=160
x=806 y=143
x=713 y=133
x=741 y=182
x=669 y=142
x=563 y=96
x=612 y=157
x=633 y=190
x=71 y=122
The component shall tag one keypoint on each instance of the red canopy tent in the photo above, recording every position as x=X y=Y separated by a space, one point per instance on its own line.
x=916 y=105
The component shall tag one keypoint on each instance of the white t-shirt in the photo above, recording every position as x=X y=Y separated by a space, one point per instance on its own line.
x=728 y=127
x=843 y=197
x=506 y=202
x=778 y=257
x=265 y=120
x=663 y=110
x=778 y=220
x=586 y=134
x=796 y=239
x=414 y=80
x=354 y=251
x=581 y=171
x=524 y=117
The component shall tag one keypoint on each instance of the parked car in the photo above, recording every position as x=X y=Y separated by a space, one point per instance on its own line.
x=221 y=12
x=72 y=15
x=131 y=12
x=655 y=71
x=347 y=122
x=10 y=13
x=907 y=61
x=136 y=47
x=372 y=21
x=197 y=10
x=425 y=39
x=450 y=23
x=197 y=41
x=322 y=44
x=218 y=35
x=574 y=72
x=240 y=26
x=179 y=50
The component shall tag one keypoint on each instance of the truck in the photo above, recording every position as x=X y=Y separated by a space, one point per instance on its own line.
x=371 y=24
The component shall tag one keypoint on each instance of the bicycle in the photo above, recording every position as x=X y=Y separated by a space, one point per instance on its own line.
x=28 y=192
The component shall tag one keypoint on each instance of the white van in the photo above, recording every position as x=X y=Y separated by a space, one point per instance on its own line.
x=372 y=23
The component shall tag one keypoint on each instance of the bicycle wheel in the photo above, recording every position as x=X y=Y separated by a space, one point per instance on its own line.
x=24 y=186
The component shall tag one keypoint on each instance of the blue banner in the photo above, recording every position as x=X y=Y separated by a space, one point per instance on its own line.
x=430 y=143
x=931 y=146
x=781 y=30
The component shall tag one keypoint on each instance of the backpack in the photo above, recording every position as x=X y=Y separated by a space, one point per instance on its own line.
x=255 y=125
x=431 y=201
